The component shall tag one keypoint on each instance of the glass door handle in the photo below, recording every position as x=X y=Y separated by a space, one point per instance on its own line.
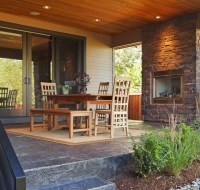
x=28 y=80
x=25 y=80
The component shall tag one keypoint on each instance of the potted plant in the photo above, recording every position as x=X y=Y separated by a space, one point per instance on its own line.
x=64 y=88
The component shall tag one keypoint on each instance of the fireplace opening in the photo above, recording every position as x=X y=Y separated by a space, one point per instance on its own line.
x=167 y=86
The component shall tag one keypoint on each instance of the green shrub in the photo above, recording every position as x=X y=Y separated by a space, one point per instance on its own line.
x=196 y=124
x=170 y=150
x=183 y=147
x=149 y=154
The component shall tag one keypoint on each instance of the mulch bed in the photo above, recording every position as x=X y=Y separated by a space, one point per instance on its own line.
x=157 y=181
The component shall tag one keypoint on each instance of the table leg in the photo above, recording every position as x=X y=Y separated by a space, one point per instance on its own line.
x=88 y=120
x=31 y=121
x=90 y=124
x=71 y=123
x=55 y=117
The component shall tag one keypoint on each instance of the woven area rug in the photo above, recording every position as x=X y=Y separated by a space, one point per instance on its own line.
x=61 y=135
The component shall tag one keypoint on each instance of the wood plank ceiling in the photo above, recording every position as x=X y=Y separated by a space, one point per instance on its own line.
x=115 y=16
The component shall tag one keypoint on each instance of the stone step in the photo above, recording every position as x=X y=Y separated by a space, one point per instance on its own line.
x=106 y=168
x=89 y=183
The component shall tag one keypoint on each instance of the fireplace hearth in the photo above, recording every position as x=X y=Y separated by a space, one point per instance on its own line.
x=167 y=86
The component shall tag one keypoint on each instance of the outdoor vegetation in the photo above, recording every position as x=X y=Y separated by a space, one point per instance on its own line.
x=167 y=150
x=128 y=62
x=170 y=149
x=164 y=158
x=11 y=75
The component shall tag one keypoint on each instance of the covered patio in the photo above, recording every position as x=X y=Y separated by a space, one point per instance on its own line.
x=51 y=41
x=169 y=38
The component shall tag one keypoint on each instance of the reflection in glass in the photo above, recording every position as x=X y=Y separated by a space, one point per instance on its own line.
x=10 y=71
x=41 y=66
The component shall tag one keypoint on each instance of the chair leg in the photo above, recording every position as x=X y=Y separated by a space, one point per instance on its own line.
x=49 y=121
x=67 y=121
x=111 y=126
x=95 y=124
x=43 y=119
x=89 y=123
x=111 y=132
x=127 y=131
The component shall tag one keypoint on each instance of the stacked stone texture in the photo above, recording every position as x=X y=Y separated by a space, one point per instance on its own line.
x=171 y=45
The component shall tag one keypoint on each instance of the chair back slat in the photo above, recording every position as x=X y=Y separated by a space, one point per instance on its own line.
x=103 y=88
x=12 y=99
x=3 y=96
x=3 y=92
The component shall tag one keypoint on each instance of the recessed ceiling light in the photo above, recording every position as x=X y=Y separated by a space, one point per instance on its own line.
x=46 y=7
x=97 y=20
x=158 y=17
x=35 y=13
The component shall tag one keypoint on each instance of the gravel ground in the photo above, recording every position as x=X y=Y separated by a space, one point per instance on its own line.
x=195 y=185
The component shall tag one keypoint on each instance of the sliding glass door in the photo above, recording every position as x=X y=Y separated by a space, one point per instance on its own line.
x=26 y=59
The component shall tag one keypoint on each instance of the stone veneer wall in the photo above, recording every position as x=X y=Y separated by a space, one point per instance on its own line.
x=198 y=54
x=170 y=45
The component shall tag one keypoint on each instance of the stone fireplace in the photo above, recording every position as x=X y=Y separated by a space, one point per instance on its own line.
x=167 y=86
x=171 y=68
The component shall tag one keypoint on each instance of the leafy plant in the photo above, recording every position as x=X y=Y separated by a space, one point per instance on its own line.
x=67 y=87
x=196 y=124
x=62 y=88
x=182 y=149
x=149 y=155
x=172 y=150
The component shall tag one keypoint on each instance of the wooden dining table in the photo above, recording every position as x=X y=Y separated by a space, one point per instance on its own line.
x=77 y=99
x=86 y=99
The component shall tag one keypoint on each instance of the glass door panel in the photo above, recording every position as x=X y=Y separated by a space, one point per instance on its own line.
x=11 y=74
x=69 y=60
x=41 y=66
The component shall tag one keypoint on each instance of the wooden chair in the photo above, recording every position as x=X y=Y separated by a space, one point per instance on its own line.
x=12 y=99
x=3 y=97
x=46 y=89
x=119 y=110
x=103 y=89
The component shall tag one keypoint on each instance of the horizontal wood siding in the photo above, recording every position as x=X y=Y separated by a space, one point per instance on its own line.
x=99 y=63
